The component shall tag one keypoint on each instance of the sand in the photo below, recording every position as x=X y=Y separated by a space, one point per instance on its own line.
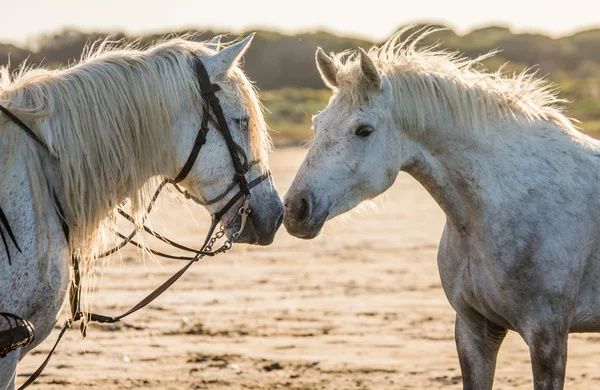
x=360 y=308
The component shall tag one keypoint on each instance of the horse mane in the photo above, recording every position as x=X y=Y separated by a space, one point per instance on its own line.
x=427 y=81
x=109 y=116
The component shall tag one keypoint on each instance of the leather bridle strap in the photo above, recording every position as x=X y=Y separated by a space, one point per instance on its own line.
x=222 y=195
x=218 y=215
x=208 y=92
x=200 y=140
x=4 y=222
x=41 y=368
x=93 y=317
x=23 y=126
x=3 y=219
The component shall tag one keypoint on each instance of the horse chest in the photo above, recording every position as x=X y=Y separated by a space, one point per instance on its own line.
x=469 y=285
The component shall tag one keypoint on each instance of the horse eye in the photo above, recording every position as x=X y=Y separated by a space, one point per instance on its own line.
x=243 y=123
x=364 y=131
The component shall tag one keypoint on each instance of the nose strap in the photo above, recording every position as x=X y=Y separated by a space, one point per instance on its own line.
x=217 y=216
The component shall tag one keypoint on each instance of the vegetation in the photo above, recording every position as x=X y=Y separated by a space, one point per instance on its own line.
x=290 y=111
x=283 y=65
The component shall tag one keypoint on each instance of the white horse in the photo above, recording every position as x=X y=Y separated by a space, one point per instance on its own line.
x=111 y=124
x=518 y=184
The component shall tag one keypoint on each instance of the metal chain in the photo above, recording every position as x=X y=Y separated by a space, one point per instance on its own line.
x=242 y=213
x=217 y=236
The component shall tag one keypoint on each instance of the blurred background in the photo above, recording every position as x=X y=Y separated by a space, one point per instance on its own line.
x=362 y=307
x=558 y=40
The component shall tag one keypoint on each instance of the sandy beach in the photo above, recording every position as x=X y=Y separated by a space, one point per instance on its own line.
x=359 y=308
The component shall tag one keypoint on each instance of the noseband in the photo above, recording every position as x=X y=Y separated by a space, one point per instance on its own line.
x=210 y=102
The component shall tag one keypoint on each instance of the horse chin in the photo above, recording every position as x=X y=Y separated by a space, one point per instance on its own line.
x=313 y=234
x=306 y=231
x=248 y=236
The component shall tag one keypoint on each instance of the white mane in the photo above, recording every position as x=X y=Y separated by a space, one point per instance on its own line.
x=427 y=81
x=109 y=116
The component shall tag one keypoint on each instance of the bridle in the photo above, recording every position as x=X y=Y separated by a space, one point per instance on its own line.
x=210 y=101
x=208 y=92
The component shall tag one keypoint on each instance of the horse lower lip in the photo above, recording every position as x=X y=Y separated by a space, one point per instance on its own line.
x=249 y=234
x=309 y=236
x=306 y=231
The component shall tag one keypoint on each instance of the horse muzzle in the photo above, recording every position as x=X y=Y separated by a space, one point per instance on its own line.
x=259 y=229
x=302 y=217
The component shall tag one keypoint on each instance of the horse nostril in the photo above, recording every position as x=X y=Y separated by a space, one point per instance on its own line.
x=304 y=211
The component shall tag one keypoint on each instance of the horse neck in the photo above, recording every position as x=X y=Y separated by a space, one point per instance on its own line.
x=470 y=174
x=93 y=187
x=131 y=172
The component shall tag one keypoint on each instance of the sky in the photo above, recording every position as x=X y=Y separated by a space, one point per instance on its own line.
x=22 y=20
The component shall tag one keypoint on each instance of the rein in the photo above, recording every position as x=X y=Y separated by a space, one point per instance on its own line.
x=210 y=101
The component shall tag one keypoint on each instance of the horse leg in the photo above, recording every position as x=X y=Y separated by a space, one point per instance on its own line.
x=8 y=370
x=477 y=342
x=548 y=351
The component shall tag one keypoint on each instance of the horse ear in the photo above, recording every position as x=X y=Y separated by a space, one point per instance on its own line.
x=228 y=57
x=369 y=69
x=215 y=43
x=327 y=68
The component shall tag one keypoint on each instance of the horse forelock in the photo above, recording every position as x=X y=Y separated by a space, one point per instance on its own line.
x=427 y=81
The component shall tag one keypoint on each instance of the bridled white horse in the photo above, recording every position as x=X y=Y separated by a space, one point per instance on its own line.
x=518 y=184
x=111 y=124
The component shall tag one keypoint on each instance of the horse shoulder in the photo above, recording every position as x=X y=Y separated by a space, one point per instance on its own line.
x=34 y=284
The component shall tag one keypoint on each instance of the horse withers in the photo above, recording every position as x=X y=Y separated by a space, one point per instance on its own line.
x=518 y=184
x=106 y=129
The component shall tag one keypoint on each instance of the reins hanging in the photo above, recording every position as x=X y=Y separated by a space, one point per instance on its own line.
x=210 y=101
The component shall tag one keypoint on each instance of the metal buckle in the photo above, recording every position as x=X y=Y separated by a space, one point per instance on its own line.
x=243 y=212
